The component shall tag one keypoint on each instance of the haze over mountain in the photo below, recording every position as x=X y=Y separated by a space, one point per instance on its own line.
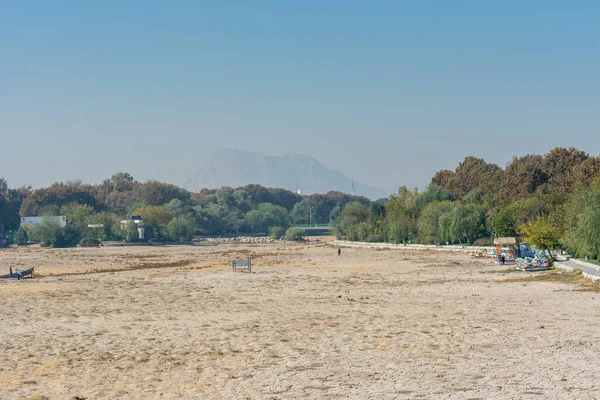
x=228 y=167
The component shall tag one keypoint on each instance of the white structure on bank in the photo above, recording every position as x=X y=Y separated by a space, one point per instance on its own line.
x=27 y=222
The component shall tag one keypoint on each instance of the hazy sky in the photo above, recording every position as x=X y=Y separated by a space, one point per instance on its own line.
x=386 y=91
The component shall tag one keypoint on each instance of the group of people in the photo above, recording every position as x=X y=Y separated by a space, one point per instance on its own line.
x=501 y=259
x=12 y=274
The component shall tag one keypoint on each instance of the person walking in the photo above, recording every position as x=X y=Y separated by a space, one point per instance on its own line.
x=503 y=259
x=339 y=251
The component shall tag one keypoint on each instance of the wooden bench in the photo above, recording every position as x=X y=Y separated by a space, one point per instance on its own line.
x=242 y=265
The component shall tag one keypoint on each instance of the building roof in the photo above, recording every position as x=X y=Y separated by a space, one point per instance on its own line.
x=505 y=240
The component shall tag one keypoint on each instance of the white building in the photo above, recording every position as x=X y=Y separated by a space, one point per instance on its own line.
x=33 y=221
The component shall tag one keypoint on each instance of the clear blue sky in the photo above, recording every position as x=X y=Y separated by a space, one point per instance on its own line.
x=386 y=91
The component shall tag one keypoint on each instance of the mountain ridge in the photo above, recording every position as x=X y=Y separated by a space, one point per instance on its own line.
x=234 y=167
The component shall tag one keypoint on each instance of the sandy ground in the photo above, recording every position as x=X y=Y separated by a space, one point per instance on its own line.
x=176 y=323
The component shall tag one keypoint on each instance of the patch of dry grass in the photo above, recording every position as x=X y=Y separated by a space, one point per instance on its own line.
x=574 y=277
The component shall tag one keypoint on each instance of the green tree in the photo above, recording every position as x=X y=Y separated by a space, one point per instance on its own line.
x=522 y=177
x=131 y=231
x=22 y=236
x=181 y=228
x=401 y=216
x=503 y=222
x=155 y=193
x=586 y=173
x=582 y=223
x=9 y=211
x=178 y=208
x=46 y=231
x=266 y=216
x=442 y=178
x=121 y=202
x=467 y=222
x=122 y=182
x=429 y=221
x=79 y=215
x=542 y=233
x=474 y=173
x=48 y=200
x=110 y=224
x=225 y=198
x=303 y=213
x=353 y=215
x=433 y=193
x=155 y=216
x=242 y=200
x=208 y=219
x=558 y=165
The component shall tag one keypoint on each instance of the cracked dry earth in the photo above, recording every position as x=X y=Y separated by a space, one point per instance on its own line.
x=176 y=323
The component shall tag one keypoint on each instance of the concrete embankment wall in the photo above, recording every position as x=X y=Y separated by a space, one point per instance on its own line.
x=455 y=248
x=570 y=268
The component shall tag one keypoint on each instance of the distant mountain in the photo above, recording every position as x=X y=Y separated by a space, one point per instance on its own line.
x=238 y=168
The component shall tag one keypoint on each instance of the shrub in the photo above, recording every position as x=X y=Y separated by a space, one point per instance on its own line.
x=294 y=233
x=276 y=232
x=59 y=241
x=89 y=242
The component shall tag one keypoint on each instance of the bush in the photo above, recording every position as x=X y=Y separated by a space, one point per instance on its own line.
x=89 y=242
x=275 y=232
x=296 y=234
x=59 y=241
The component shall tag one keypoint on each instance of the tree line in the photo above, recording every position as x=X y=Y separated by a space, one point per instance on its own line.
x=550 y=200
x=95 y=212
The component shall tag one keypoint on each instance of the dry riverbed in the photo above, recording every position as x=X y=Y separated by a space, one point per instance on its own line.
x=175 y=322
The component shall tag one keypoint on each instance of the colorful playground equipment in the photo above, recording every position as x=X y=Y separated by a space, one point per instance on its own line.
x=505 y=246
x=488 y=253
x=539 y=262
x=509 y=251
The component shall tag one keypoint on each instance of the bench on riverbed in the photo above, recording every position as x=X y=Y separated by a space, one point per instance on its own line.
x=242 y=265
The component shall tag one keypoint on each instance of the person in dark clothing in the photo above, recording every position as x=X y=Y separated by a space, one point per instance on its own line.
x=503 y=258
x=17 y=273
x=339 y=251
